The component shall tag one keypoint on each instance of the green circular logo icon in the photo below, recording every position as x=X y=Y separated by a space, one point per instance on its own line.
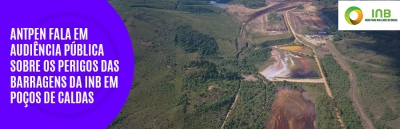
x=350 y=10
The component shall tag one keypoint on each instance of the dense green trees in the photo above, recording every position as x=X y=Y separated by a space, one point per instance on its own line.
x=155 y=6
x=330 y=17
x=181 y=5
x=277 y=42
x=206 y=70
x=185 y=2
x=254 y=3
x=325 y=114
x=376 y=72
x=194 y=41
x=198 y=8
x=247 y=3
x=327 y=2
x=339 y=35
x=300 y=6
x=253 y=106
x=223 y=1
x=207 y=108
x=378 y=87
x=339 y=83
x=253 y=58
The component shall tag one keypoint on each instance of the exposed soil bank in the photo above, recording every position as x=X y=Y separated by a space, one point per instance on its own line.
x=289 y=65
x=291 y=111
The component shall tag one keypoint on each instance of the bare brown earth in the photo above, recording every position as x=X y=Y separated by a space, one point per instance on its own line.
x=314 y=42
x=320 y=80
x=291 y=111
x=241 y=13
x=210 y=87
x=315 y=56
x=320 y=68
x=245 y=15
x=145 y=43
x=230 y=110
x=249 y=78
x=353 y=81
x=261 y=25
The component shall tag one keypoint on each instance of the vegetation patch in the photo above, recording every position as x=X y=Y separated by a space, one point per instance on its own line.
x=250 y=3
x=278 y=42
x=193 y=41
x=376 y=68
x=339 y=83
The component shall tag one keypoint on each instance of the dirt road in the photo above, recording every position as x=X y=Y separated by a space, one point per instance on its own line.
x=328 y=91
x=154 y=123
x=242 y=36
x=230 y=110
x=239 y=50
x=320 y=80
x=361 y=62
x=353 y=83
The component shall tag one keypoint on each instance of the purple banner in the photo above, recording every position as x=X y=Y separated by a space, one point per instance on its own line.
x=64 y=64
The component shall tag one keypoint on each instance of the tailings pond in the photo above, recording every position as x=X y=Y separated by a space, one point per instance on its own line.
x=219 y=4
x=291 y=62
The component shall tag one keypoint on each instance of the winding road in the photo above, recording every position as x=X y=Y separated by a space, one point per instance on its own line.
x=230 y=110
x=361 y=62
x=319 y=80
x=353 y=83
x=340 y=60
x=328 y=90
x=352 y=77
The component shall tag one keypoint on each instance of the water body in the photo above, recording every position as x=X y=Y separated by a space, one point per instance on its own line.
x=280 y=68
x=288 y=65
x=219 y=4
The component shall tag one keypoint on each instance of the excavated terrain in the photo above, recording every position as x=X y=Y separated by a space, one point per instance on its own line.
x=291 y=111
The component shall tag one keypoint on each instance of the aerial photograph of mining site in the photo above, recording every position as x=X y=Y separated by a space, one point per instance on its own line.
x=290 y=62
x=262 y=64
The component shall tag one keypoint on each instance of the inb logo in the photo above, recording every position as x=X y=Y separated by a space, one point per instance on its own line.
x=378 y=12
x=356 y=20
x=379 y=15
